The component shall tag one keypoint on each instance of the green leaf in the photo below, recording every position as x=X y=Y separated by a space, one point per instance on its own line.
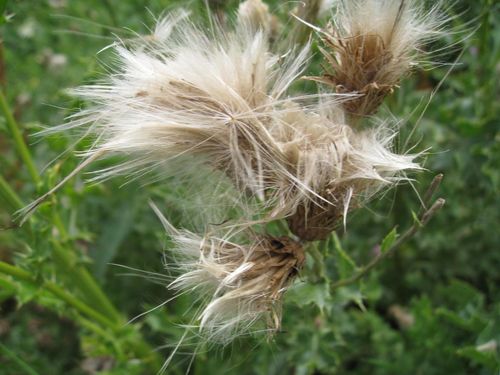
x=486 y=358
x=388 y=241
x=304 y=294
x=344 y=263
x=350 y=294
x=459 y=295
x=115 y=232
x=3 y=6
x=27 y=292
x=471 y=324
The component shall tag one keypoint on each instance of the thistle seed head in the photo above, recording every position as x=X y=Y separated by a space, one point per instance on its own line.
x=225 y=100
x=372 y=44
x=241 y=284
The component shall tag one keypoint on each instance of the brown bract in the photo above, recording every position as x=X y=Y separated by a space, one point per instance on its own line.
x=370 y=45
x=315 y=222
x=280 y=259
x=357 y=65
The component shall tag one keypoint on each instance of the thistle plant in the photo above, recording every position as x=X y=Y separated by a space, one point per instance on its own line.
x=226 y=100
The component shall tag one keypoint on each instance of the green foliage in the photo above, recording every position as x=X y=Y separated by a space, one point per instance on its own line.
x=388 y=240
x=433 y=307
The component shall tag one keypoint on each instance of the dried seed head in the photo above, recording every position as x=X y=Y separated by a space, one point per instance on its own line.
x=189 y=93
x=223 y=99
x=244 y=283
x=332 y=170
x=372 y=44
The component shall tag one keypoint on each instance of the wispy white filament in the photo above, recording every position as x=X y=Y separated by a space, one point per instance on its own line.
x=225 y=97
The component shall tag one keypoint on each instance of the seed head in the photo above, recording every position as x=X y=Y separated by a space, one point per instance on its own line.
x=372 y=44
x=241 y=284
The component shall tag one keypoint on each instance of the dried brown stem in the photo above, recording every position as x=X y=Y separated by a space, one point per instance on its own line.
x=436 y=182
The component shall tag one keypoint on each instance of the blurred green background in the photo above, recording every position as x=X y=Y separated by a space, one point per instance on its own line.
x=433 y=308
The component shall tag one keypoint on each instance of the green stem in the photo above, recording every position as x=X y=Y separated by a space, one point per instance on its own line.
x=67 y=263
x=283 y=227
x=424 y=216
x=86 y=284
x=319 y=266
x=8 y=353
x=8 y=195
x=56 y=219
x=19 y=143
x=139 y=347
x=78 y=305
x=108 y=316
x=397 y=244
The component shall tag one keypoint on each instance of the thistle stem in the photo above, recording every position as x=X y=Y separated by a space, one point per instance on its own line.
x=19 y=143
x=423 y=219
x=74 y=302
x=67 y=264
x=87 y=285
x=319 y=267
x=9 y=196
x=139 y=347
x=23 y=365
x=283 y=227
x=433 y=187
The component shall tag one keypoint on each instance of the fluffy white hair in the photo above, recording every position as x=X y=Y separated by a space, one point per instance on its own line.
x=255 y=14
x=191 y=93
x=224 y=97
x=331 y=167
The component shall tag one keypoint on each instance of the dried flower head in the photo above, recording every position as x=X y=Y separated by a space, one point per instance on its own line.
x=333 y=169
x=243 y=284
x=372 y=44
x=191 y=93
